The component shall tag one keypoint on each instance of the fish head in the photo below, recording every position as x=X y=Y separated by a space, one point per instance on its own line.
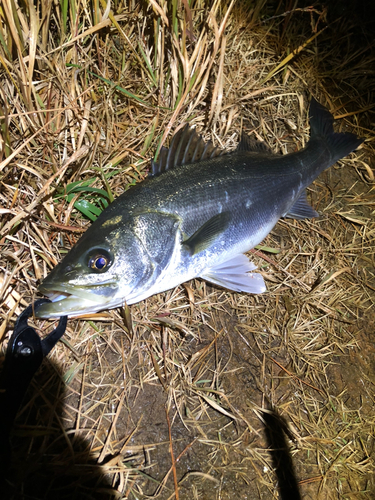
x=99 y=272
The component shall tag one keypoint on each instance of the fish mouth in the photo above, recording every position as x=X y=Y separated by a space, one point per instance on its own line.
x=73 y=300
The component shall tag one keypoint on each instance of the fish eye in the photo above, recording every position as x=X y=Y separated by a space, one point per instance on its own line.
x=100 y=261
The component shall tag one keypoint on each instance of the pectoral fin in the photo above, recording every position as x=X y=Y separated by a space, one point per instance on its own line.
x=301 y=209
x=234 y=275
x=206 y=235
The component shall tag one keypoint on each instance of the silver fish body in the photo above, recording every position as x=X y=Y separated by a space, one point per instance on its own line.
x=195 y=219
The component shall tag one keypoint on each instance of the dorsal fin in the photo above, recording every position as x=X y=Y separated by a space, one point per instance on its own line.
x=186 y=147
x=249 y=144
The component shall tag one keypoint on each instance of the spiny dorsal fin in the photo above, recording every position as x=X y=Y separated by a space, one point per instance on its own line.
x=186 y=147
x=249 y=144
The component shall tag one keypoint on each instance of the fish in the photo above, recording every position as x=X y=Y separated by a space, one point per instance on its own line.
x=195 y=216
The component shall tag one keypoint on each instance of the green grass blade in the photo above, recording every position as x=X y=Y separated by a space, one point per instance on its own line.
x=123 y=91
x=88 y=209
x=262 y=248
x=88 y=189
x=145 y=58
x=64 y=16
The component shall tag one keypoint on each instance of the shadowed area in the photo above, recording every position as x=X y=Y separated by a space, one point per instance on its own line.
x=276 y=431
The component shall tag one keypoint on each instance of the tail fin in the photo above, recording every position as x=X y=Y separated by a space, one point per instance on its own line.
x=321 y=124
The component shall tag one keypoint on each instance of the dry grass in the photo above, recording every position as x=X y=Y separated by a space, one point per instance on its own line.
x=171 y=404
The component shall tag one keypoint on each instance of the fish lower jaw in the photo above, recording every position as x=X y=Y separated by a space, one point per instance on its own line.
x=71 y=305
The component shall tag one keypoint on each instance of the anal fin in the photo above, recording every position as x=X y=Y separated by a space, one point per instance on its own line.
x=301 y=209
x=234 y=275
